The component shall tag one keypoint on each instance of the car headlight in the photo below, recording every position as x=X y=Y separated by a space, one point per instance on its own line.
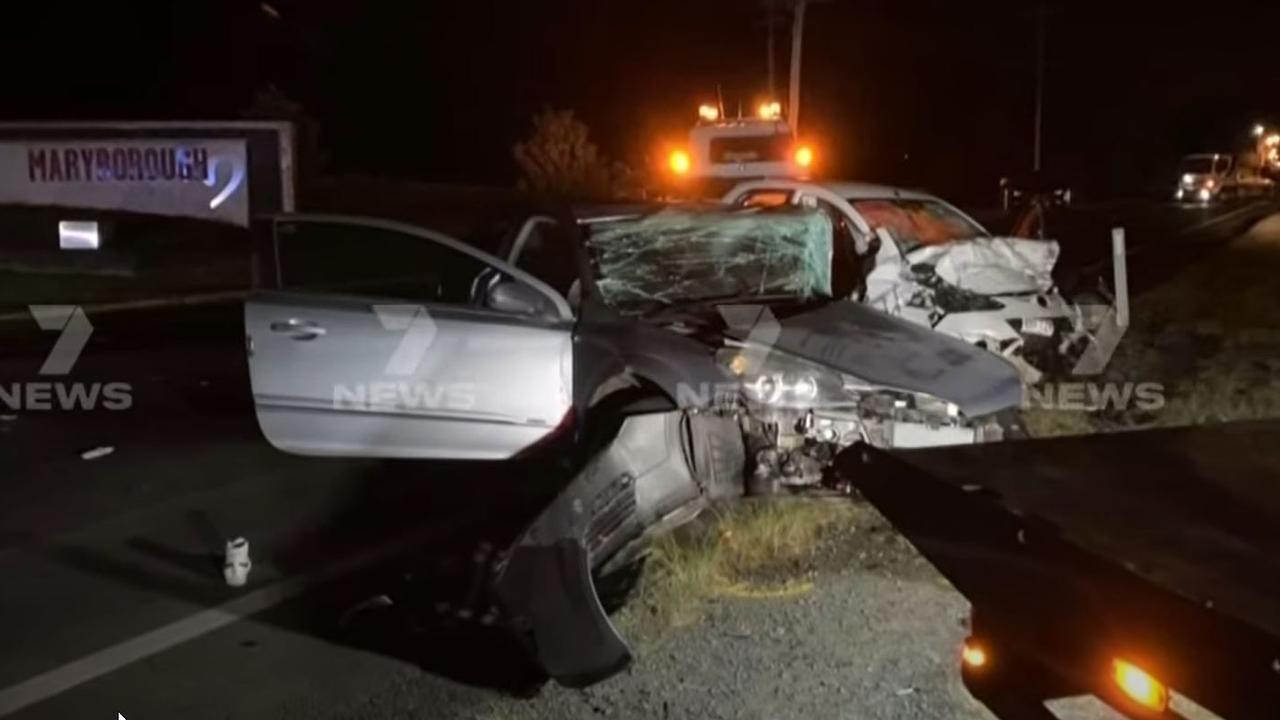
x=778 y=379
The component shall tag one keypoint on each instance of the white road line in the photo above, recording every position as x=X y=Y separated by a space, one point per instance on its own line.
x=107 y=660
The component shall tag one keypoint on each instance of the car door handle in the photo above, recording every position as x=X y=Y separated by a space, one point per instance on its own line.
x=298 y=329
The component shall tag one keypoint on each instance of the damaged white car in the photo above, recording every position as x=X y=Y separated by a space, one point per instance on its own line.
x=918 y=257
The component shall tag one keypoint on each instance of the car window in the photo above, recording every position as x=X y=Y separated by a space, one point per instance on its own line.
x=354 y=259
x=548 y=255
x=915 y=223
x=750 y=148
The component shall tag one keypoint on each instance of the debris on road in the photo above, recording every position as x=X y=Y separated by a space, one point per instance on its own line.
x=97 y=453
x=236 y=566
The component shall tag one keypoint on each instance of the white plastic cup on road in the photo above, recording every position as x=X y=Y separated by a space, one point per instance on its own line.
x=236 y=563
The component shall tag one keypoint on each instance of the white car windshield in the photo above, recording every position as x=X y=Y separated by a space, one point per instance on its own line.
x=917 y=223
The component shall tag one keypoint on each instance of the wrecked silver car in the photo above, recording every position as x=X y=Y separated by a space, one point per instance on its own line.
x=664 y=359
x=810 y=374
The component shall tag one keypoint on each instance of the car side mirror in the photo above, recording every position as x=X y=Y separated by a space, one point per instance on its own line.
x=516 y=297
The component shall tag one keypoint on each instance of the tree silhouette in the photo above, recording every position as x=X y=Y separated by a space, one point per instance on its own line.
x=558 y=158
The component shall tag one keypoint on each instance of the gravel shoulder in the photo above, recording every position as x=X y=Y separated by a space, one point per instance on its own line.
x=875 y=637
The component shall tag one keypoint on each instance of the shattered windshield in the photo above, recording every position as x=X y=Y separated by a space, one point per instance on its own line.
x=680 y=255
x=916 y=223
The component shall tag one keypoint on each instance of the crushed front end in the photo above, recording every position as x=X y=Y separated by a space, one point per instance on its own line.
x=795 y=415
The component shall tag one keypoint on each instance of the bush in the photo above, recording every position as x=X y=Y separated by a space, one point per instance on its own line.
x=558 y=158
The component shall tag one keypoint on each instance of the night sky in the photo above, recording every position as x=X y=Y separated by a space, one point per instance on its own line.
x=932 y=94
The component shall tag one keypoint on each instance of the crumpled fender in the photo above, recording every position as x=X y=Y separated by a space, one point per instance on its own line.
x=659 y=470
x=549 y=587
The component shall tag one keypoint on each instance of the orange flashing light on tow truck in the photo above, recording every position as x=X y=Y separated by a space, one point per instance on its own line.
x=679 y=163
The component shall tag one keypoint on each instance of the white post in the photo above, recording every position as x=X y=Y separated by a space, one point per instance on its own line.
x=1120 y=264
x=1040 y=39
x=797 y=36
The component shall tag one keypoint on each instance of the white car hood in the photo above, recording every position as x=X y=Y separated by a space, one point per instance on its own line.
x=986 y=266
x=992 y=266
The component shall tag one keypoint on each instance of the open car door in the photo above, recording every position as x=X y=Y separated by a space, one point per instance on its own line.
x=379 y=339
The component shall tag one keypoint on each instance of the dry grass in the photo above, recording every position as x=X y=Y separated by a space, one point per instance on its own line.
x=1210 y=336
x=760 y=549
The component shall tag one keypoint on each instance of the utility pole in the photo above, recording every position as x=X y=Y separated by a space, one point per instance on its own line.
x=1040 y=42
x=773 y=85
x=797 y=37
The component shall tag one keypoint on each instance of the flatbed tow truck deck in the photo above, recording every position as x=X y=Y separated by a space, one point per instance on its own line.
x=1140 y=567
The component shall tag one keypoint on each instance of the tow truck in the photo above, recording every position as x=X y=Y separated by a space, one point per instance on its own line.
x=1139 y=568
x=721 y=151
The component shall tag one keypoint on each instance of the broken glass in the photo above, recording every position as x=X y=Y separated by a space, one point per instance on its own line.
x=687 y=255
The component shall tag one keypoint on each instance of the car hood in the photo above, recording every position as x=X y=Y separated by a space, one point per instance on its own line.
x=883 y=350
x=992 y=266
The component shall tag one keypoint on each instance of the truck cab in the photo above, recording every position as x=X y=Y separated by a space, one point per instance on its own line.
x=722 y=151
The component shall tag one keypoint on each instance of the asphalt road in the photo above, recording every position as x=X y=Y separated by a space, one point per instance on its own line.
x=113 y=600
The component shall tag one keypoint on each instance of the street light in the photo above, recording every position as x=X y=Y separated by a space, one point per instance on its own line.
x=1258 y=129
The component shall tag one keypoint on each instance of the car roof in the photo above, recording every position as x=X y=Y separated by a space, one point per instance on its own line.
x=869 y=191
x=851 y=190
x=600 y=214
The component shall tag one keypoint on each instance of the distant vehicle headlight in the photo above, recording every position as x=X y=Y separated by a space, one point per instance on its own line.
x=1204 y=195
x=1188 y=179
